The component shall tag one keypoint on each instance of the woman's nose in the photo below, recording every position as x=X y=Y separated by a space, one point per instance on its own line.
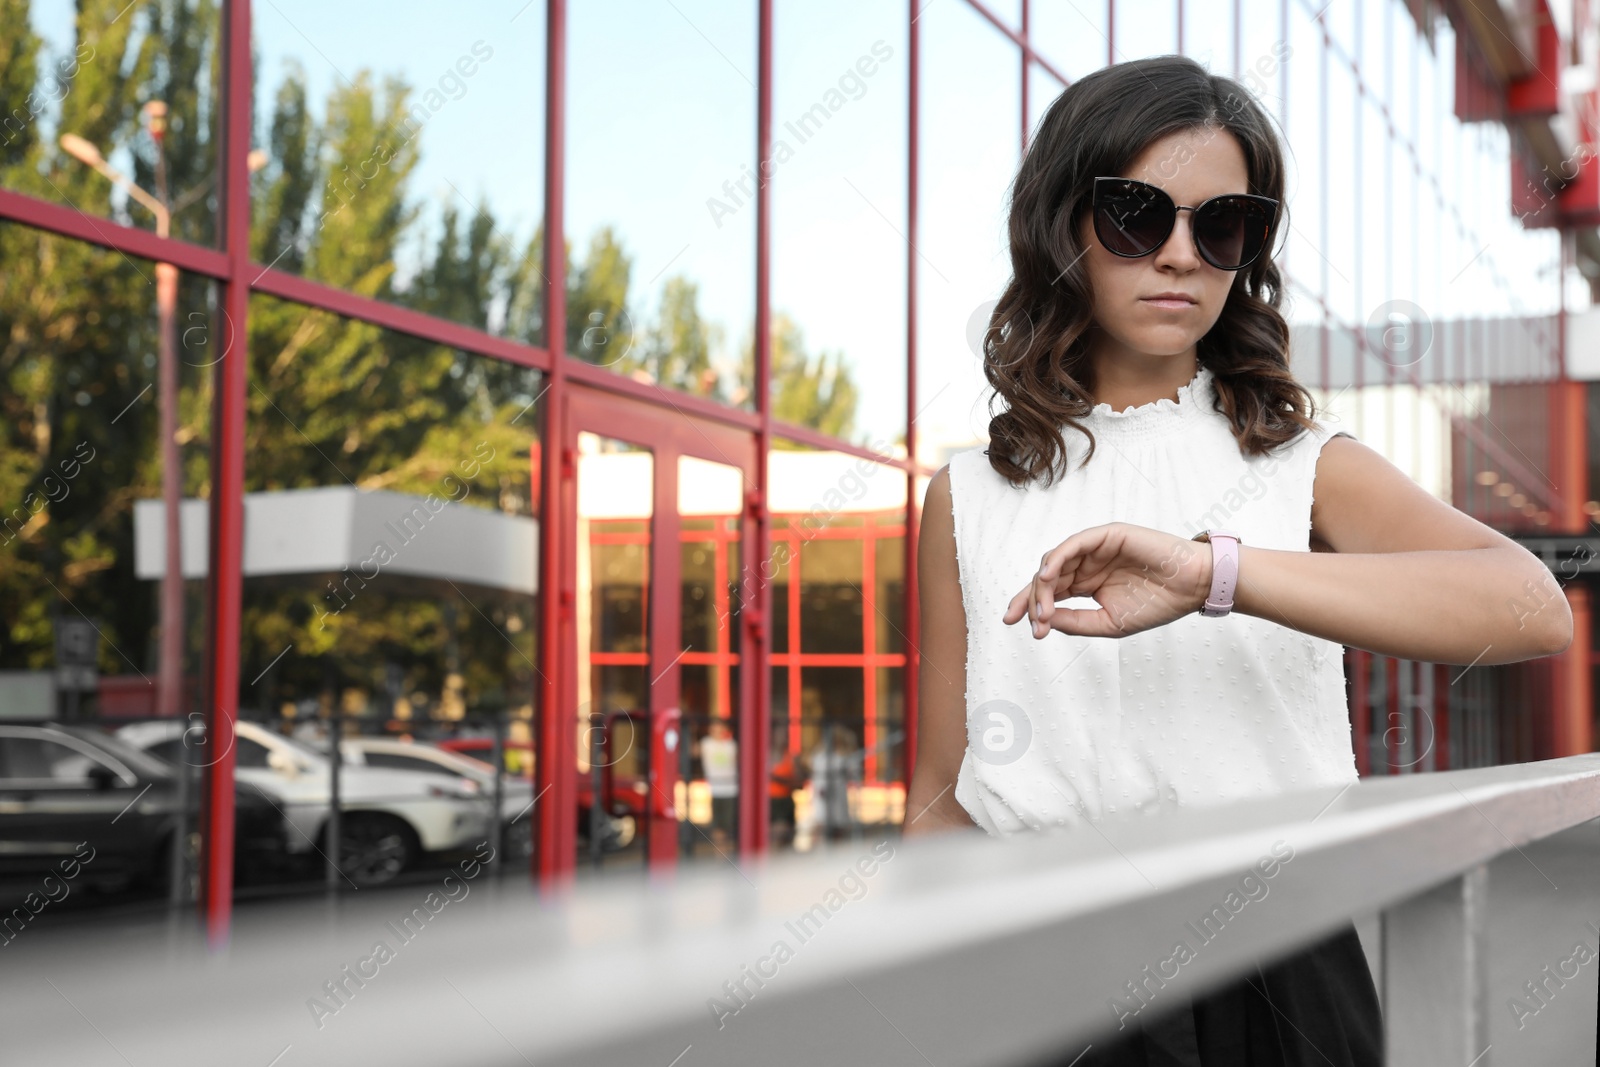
x=1178 y=249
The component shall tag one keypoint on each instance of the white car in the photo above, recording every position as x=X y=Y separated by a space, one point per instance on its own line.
x=387 y=816
x=516 y=806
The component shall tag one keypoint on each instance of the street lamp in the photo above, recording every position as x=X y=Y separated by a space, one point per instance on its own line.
x=169 y=677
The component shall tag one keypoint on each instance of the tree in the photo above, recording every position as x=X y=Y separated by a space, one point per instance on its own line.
x=331 y=400
x=815 y=395
x=77 y=323
x=282 y=192
x=677 y=348
x=600 y=328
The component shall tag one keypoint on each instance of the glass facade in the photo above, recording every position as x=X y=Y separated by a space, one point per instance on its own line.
x=705 y=426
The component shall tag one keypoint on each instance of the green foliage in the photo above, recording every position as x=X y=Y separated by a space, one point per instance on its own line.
x=332 y=401
x=19 y=54
x=817 y=395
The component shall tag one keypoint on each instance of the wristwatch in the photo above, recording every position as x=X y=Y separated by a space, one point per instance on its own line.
x=1224 y=571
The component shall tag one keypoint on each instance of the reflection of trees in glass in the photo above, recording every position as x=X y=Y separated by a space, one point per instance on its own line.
x=817 y=395
x=77 y=324
x=331 y=400
x=337 y=402
x=674 y=348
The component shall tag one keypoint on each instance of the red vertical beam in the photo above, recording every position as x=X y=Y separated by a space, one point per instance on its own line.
x=555 y=854
x=1573 y=706
x=1393 y=732
x=664 y=617
x=796 y=643
x=1024 y=54
x=230 y=381
x=754 y=757
x=913 y=597
x=1568 y=464
x=1360 y=711
x=869 y=649
x=723 y=650
x=1578 y=736
x=1111 y=32
x=1441 y=717
x=755 y=573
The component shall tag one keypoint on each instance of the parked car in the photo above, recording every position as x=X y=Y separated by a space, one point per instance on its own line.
x=388 y=817
x=516 y=806
x=627 y=808
x=70 y=792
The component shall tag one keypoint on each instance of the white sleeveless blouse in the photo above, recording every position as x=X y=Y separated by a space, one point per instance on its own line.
x=1199 y=711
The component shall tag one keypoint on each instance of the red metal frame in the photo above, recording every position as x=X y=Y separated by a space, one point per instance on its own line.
x=70 y=222
x=1022 y=43
x=913 y=599
x=1111 y=32
x=755 y=727
x=231 y=266
x=394 y=317
x=555 y=836
x=875 y=528
x=1441 y=716
x=1395 y=733
x=1359 y=663
x=668 y=436
x=1023 y=55
x=226 y=582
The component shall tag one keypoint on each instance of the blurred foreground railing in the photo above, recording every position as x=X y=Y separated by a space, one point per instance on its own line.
x=954 y=949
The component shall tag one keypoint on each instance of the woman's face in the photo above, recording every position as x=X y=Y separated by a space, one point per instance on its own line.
x=1189 y=166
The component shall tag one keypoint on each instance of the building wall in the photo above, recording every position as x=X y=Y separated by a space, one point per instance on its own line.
x=389 y=304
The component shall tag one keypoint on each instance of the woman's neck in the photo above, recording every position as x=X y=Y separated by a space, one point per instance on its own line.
x=1130 y=380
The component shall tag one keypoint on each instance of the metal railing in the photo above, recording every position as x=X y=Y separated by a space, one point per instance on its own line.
x=951 y=949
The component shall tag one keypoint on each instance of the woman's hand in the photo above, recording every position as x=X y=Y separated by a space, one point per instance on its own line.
x=1141 y=578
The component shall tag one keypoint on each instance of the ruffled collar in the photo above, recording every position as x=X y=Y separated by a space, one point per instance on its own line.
x=1195 y=400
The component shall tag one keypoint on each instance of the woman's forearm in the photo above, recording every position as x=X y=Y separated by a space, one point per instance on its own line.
x=1480 y=605
x=926 y=815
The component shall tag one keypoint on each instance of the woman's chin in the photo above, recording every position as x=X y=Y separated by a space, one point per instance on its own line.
x=1162 y=342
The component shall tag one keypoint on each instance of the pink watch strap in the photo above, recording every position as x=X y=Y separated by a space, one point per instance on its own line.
x=1224 y=572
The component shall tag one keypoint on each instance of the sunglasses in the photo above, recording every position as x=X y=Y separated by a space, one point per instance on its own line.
x=1133 y=219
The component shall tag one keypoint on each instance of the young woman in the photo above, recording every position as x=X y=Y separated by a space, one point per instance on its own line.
x=1143 y=365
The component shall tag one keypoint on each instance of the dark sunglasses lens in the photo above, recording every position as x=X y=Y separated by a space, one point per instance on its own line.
x=1231 y=232
x=1131 y=222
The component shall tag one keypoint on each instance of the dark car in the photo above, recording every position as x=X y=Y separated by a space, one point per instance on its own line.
x=75 y=801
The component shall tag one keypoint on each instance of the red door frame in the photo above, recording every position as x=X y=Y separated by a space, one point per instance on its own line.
x=611 y=414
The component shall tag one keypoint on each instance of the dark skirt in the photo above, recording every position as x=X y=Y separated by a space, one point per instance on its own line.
x=1317 y=1007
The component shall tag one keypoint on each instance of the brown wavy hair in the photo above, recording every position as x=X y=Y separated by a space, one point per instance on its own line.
x=1036 y=350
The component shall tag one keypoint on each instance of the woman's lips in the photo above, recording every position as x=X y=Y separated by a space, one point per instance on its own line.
x=1175 y=305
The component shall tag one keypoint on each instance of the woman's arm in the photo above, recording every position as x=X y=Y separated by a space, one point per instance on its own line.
x=1402 y=574
x=1408 y=576
x=942 y=677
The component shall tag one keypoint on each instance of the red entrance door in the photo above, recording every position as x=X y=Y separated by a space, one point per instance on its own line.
x=657 y=718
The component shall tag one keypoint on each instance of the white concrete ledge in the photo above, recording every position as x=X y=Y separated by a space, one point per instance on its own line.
x=961 y=948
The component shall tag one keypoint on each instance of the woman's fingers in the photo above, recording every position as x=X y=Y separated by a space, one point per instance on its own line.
x=1120 y=566
x=1069 y=565
x=1060 y=570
